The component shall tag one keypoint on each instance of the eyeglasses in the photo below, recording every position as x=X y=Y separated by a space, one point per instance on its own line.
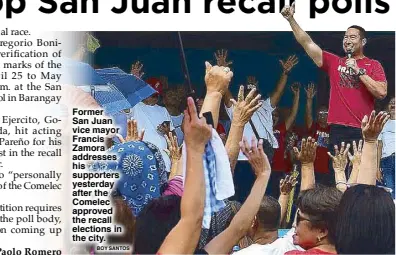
x=300 y=218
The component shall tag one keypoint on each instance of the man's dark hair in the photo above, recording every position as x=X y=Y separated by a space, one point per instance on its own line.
x=269 y=214
x=155 y=222
x=366 y=221
x=362 y=31
x=320 y=204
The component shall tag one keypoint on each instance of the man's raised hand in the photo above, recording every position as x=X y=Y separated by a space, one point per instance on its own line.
x=217 y=78
x=357 y=154
x=287 y=184
x=288 y=11
x=340 y=157
x=136 y=69
x=289 y=63
x=295 y=88
x=373 y=125
x=174 y=151
x=196 y=131
x=256 y=156
x=310 y=90
x=244 y=108
x=132 y=133
x=221 y=58
x=307 y=154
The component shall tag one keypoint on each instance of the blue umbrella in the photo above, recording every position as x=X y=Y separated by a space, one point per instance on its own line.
x=85 y=77
x=134 y=89
x=79 y=74
x=108 y=97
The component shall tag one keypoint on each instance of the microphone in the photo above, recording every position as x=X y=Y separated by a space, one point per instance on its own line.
x=349 y=55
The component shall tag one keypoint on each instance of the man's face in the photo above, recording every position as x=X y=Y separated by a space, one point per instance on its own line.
x=322 y=116
x=171 y=98
x=352 y=40
x=152 y=100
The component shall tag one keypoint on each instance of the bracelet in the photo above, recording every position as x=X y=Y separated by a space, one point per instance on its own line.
x=341 y=182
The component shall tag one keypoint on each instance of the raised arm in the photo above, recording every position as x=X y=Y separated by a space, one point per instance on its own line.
x=307 y=157
x=183 y=238
x=217 y=80
x=280 y=86
x=310 y=91
x=313 y=50
x=243 y=111
x=296 y=98
x=174 y=152
x=371 y=128
x=286 y=185
x=240 y=224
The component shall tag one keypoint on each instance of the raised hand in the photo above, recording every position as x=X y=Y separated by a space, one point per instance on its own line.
x=288 y=11
x=221 y=58
x=174 y=151
x=295 y=88
x=217 y=78
x=252 y=80
x=136 y=69
x=307 y=154
x=357 y=154
x=289 y=64
x=196 y=131
x=132 y=132
x=287 y=184
x=310 y=90
x=256 y=156
x=340 y=158
x=245 y=107
x=373 y=125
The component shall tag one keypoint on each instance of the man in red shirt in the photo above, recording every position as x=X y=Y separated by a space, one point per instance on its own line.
x=319 y=130
x=281 y=161
x=355 y=81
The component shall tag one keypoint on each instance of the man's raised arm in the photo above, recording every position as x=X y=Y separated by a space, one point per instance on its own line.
x=313 y=50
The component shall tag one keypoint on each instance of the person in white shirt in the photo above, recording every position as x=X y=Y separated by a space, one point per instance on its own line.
x=263 y=124
x=264 y=231
x=155 y=120
x=262 y=118
x=386 y=149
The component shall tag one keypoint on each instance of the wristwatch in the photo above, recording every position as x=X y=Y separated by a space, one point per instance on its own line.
x=361 y=72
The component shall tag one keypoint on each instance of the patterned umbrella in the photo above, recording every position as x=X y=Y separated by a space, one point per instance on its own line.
x=79 y=74
x=133 y=88
x=85 y=77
